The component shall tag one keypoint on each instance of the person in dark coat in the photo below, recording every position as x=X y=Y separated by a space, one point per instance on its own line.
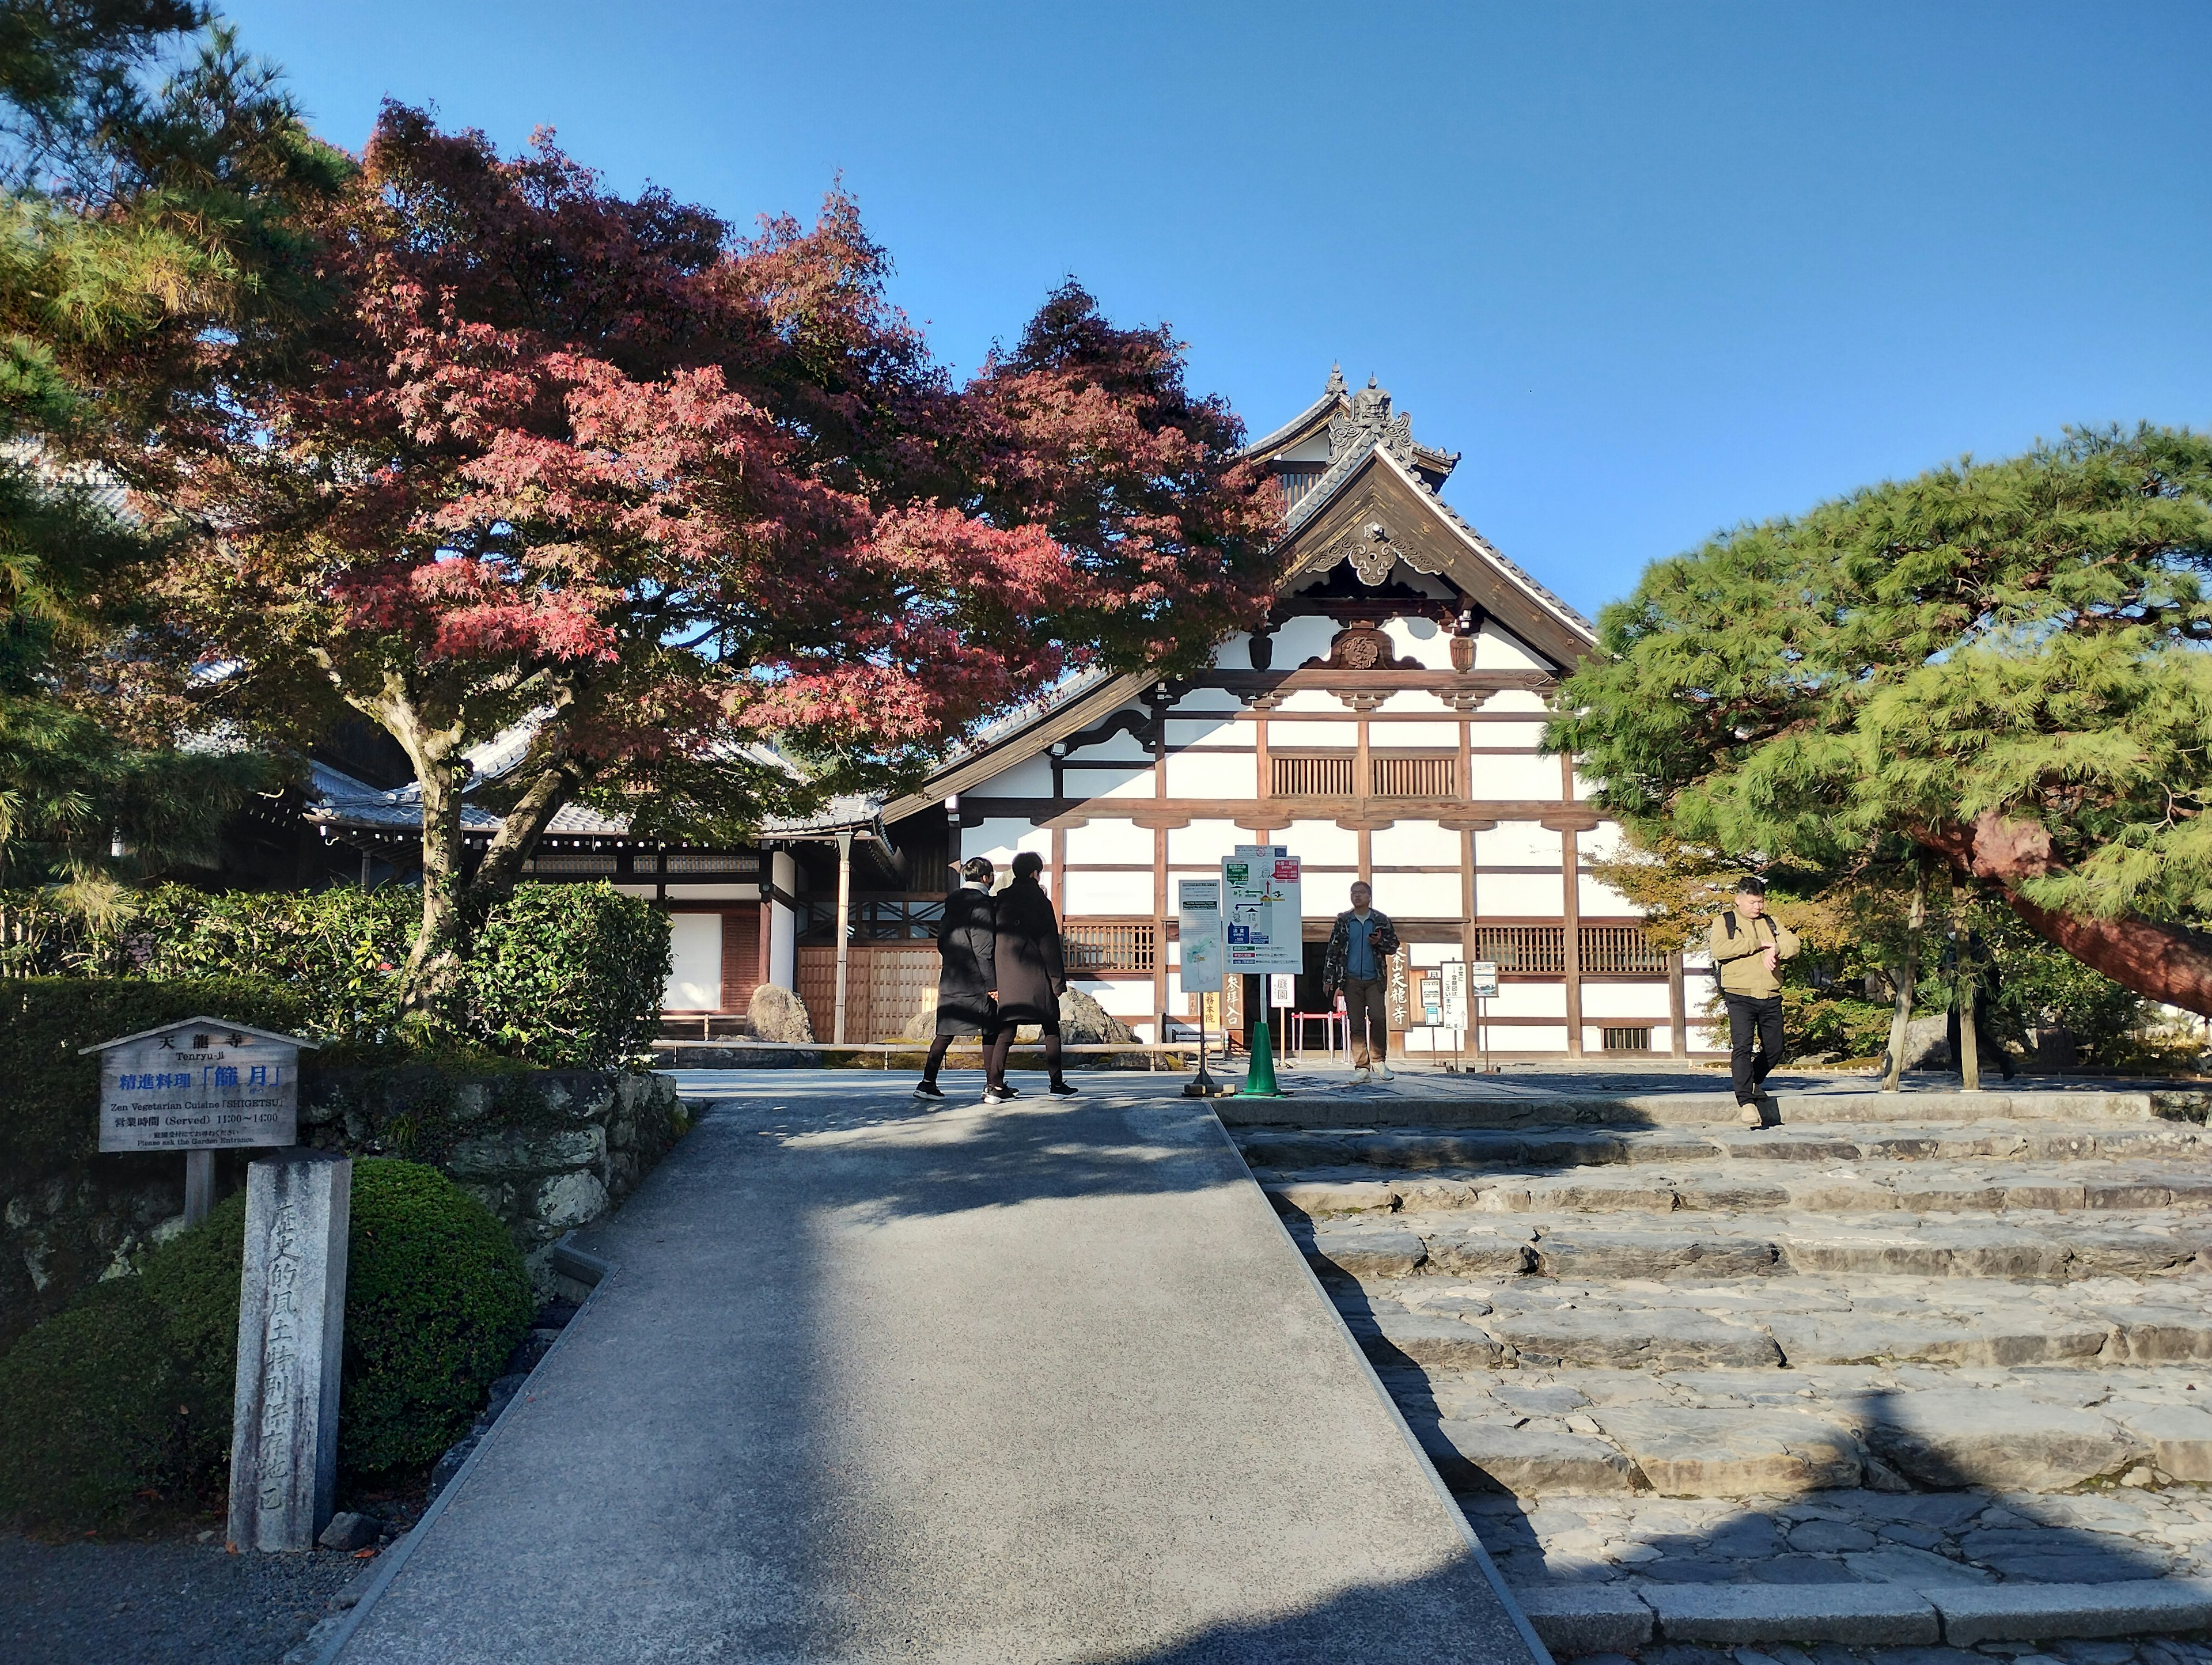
x=966 y=970
x=1032 y=975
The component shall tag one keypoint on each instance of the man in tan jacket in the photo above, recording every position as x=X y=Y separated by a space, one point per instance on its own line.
x=1748 y=946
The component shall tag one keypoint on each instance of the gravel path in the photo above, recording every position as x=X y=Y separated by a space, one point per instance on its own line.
x=160 y=1602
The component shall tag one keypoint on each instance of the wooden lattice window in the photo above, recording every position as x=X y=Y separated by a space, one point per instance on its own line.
x=1414 y=774
x=709 y=861
x=1104 y=945
x=1310 y=774
x=576 y=862
x=1539 y=949
x=1627 y=1040
x=1621 y=948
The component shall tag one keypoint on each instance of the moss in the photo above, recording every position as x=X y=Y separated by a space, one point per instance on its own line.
x=125 y=1399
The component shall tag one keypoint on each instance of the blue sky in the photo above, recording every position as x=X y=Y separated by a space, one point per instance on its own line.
x=1655 y=268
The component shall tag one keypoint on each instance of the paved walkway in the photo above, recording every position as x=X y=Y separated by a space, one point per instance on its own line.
x=1040 y=1382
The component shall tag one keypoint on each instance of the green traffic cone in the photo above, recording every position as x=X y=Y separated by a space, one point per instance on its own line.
x=1260 y=1079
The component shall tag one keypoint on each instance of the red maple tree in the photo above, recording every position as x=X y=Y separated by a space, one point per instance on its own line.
x=592 y=465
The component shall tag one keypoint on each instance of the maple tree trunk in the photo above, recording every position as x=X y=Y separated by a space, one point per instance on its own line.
x=519 y=830
x=2159 y=962
x=434 y=964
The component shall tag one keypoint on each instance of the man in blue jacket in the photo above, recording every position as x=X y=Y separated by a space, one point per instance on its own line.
x=1360 y=945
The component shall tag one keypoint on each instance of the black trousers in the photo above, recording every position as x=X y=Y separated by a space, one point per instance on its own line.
x=1754 y=1040
x=1988 y=1048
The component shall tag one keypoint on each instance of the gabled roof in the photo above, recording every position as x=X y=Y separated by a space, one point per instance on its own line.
x=227 y=1024
x=1347 y=418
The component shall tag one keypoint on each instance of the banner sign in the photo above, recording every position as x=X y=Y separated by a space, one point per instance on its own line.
x=204 y=1084
x=1198 y=924
x=1263 y=920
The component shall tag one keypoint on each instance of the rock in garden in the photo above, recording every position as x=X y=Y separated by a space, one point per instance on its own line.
x=777 y=1014
x=350 y=1531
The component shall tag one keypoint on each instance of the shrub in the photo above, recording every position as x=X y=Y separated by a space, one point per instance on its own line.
x=126 y=1397
x=568 y=976
x=88 y=1413
x=47 y=1115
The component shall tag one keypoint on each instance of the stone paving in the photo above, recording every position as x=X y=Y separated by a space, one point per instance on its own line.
x=1650 y=1349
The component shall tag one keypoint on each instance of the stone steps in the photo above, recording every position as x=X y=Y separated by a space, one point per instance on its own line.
x=1700 y=1382
x=1422 y=1103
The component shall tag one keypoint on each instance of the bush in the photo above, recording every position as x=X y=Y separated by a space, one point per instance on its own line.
x=127 y=1397
x=566 y=977
x=47 y=1115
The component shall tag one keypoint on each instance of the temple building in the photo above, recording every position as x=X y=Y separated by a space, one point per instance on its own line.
x=1383 y=724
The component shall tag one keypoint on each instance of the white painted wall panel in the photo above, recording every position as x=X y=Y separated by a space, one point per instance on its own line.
x=1109 y=839
x=1415 y=844
x=1603 y=902
x=1530 y=1001
x=1428 y=735
x=1498 y=649
x=1416 y=700
x=1031 y=778
x=1417 y=896
x=1235 y=654
x=1312 y=699
x=1205 y=840
x=1538 y=1037
x=1514 y=777
x=694 y=975
x=1527 y=735
x=1287 y=736
x=1118 y=746
x=1302 y=639
x=1421 y=639
x=1518 y=844
x=1602 y=842
x=1122 y=996
x=1108 y=893
x=1517 y=896
x=1645 y=1002
x=1213 y=774
x=1222 y=730
x=1126 y=782
x=1322 y=842
x=1000 y=836
x=782 y=942
x=1516 y=700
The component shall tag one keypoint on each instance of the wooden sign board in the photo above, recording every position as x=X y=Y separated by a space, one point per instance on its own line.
x=204 y=1084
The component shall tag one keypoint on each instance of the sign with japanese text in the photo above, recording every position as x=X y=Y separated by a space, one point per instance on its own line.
x=201 y=1084
x=1451 y=993
x=1282 y=989
x=1482 y=980
x=1262 y=920
x=1198 y=930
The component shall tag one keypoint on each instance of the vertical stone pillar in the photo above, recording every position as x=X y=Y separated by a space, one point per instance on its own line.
x=291 y=1337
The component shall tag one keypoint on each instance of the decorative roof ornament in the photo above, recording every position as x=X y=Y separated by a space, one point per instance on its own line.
x=1371 y=421
x=1371 y=553
x=1335 y=379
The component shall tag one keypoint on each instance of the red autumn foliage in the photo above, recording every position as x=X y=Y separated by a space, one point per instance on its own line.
x=592 y=462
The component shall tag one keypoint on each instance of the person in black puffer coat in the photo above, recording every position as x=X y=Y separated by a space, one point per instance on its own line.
x=1032 y=975
x=966 y=970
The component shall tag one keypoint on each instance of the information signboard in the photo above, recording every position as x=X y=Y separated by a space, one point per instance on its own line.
x=1282 y=990
x=1433 y=1001
x=1198 y=928
x=1451 y=994
x=1482 y=980
x=1263 y=920
x=202 y=1084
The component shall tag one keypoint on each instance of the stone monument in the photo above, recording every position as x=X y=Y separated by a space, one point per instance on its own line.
x=291 y=1336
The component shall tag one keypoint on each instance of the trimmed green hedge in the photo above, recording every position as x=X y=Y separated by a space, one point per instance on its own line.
x=48 y=1115
x=122 y=1403
x=563 y=976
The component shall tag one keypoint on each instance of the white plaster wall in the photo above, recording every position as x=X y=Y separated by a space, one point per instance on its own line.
x=1584 y=787
x=1126 y=782
x=1530 y=1001
x=1301 y=638
x=1322 y=842
x=1514 y=701
x=1204 y=698
x=1203 y=842
x=1603 y=902
x=1000 y=836
x=782 y=942
x=1419 y=701
x=1517 y=896
x=1312 y=699
x=1422 y=639
x=1213 y=774
x=1498 y=649
x=1222 y=730
x=1382 y=736
x=1124 y=997
x=1108 y=893
x=1111 y=840
x=1031 y=778
x=1539 y=1037
x=1235 y=654
x=1644 y=1002
x=1514 y=777
x=1417 y=896
x=1602 y=842
x=1120 y=746
x=1518 y=844
x=1529 y=735
x=1415 y=844
x=1289 y=735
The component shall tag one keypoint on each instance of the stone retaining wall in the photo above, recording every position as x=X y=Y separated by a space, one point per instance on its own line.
x=545 y=1151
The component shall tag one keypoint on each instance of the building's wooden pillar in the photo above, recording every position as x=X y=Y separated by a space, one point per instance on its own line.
x=1163 y=908
x=1678 y=1013
x=1058 y=888
x=1266 y=788
x=1362 y=784
x=1367 y=857
x=1159 y=703
x=844 y=928
x=1571 y=871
